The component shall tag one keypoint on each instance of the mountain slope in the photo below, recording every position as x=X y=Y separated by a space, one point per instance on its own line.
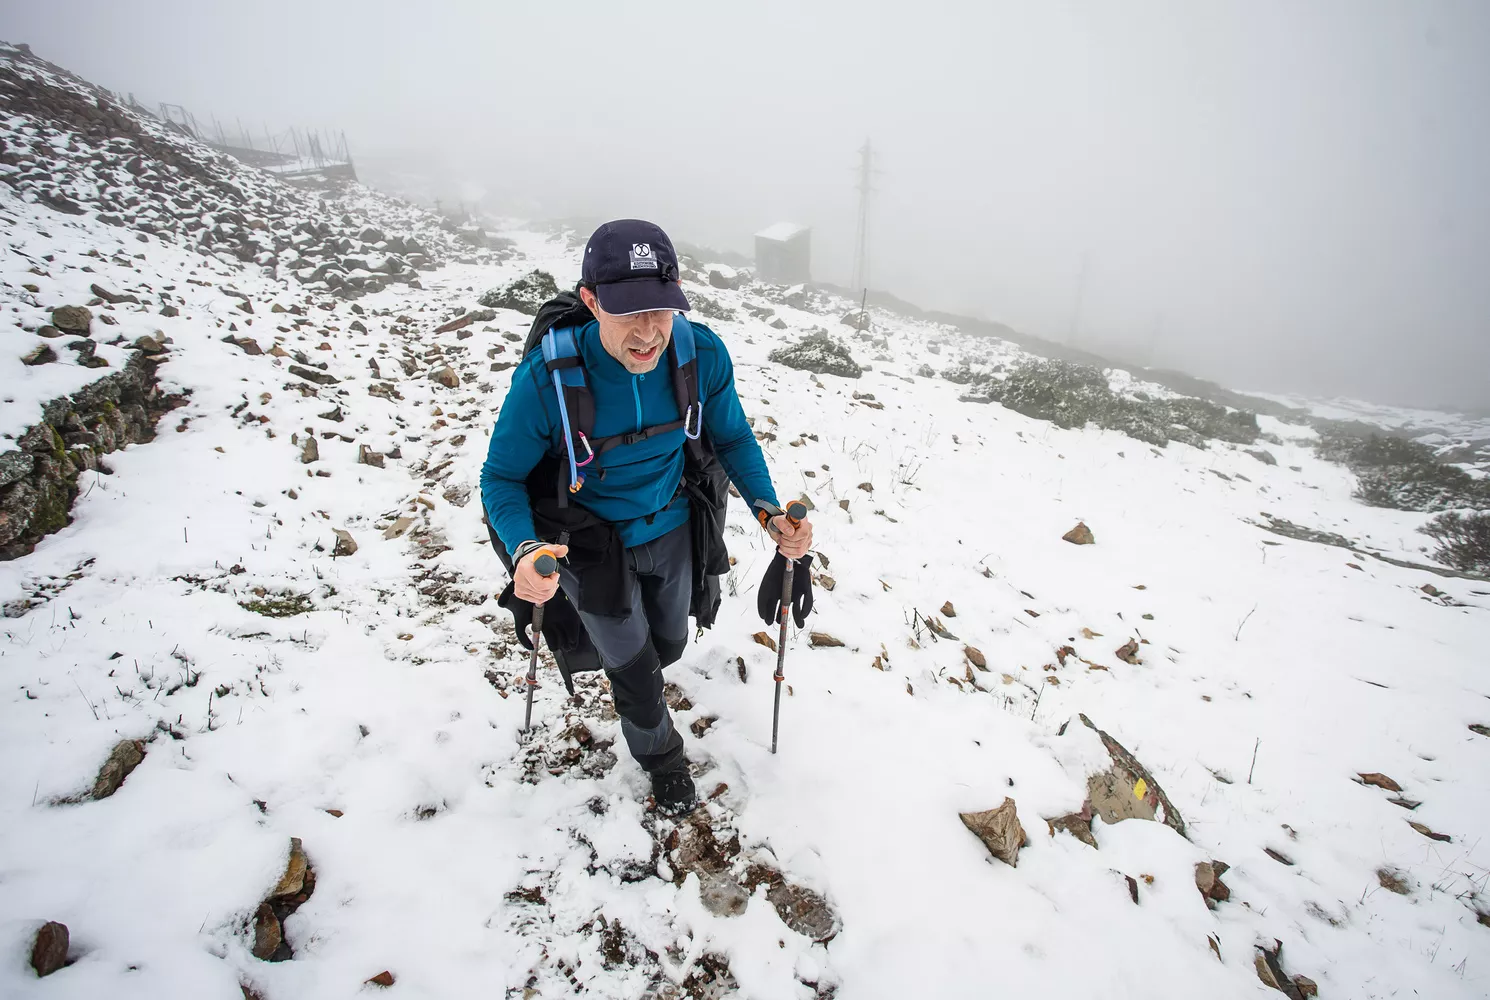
x=367 y=702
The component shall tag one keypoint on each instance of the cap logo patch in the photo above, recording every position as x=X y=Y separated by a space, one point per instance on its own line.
x=641 y=257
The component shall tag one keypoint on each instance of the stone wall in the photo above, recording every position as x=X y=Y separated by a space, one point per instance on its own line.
x=38 y=478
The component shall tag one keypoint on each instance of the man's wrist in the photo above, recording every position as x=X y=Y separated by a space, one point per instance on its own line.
x=524 y=549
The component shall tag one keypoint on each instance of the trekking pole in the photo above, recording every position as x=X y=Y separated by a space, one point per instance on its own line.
x=546 y=565
x=795 y=511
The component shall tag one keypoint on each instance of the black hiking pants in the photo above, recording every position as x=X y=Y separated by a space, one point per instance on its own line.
x=634 y=649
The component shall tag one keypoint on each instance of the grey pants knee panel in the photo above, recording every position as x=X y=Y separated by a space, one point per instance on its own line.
x=645 y=722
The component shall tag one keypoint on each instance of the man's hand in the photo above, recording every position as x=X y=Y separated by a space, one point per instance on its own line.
x=528 y=585
x=792 y=542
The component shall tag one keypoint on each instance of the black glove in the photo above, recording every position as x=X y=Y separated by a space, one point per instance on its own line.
x=768 y=598
x=522 y=614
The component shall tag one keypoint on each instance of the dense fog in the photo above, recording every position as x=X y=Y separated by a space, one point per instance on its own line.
x=1280 y=196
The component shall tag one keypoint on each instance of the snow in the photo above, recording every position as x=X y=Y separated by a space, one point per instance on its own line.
x=383 y=702
x=781 y=232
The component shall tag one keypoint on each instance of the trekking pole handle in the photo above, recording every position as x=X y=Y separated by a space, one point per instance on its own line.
x=545 y=564
x=795 y=512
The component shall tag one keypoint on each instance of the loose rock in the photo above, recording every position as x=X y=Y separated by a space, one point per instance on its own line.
x=446 y=376
x=123 y=759
x=49 y=950
x=1380 y=781
x=41 y=354
x=762 y=639
x=346 y=545
x=1208 y=881
x=293 y=880
x=311 y=375
x=267 y=933
x=1077 y=824
x=1270 y=970
x=1079 y=535
x=823 y=639
x=999 y=829
x=72 y=319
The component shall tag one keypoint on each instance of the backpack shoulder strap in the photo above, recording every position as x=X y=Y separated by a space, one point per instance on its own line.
x=685 y=382
x=566 y=370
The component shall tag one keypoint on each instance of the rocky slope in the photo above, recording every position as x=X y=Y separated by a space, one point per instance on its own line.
x=260 y=711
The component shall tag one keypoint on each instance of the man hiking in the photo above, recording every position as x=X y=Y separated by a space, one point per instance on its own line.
x=596 y=459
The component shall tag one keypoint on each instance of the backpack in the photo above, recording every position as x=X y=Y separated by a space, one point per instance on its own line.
x=554 y=332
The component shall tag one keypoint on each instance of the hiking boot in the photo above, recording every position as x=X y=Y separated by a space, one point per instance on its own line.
x=673 y=790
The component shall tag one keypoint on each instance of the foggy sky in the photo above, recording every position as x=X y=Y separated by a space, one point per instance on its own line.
x=1279 y=195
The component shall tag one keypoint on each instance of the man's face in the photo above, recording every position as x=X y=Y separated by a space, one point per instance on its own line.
x=637 y=341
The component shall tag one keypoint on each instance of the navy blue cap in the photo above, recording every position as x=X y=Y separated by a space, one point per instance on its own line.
x=633 y=268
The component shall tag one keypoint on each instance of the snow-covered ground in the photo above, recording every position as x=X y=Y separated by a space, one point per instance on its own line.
x=1459 y=438
x=379 y=724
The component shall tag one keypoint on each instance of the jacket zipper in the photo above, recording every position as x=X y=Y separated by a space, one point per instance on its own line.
x=637 y=396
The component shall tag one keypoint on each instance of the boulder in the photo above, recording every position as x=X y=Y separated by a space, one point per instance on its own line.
x=1127 y=790
x=367 y=456
x=310 y=451
x=818 y=353
x=14 y=466
x=446 y=376
x=524 y=295
x=999 y=829
x=72 y=319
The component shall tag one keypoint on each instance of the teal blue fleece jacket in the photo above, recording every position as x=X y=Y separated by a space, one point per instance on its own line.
x=630 y=481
